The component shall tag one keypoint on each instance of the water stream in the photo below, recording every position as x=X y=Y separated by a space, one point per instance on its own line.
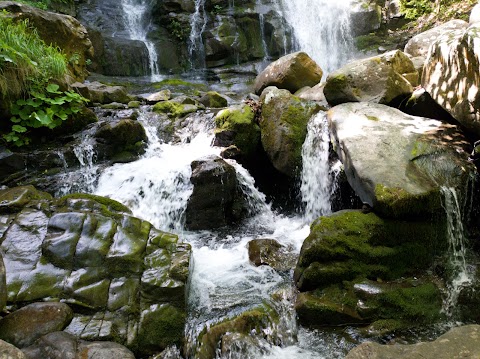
x=196 y=47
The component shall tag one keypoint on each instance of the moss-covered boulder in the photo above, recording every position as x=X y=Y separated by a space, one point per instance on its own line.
x=451 y=75
x=290 y=72
x=237 y=126
x=283 y=125
x=174 y=109
x=59 y=30
x=264 y=251
x=125 y=280
x=352 y=269
x=378 y=79
x=398 y=163
x=213 y=99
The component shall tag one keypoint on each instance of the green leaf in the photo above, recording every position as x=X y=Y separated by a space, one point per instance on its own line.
x=18 y=128
x=42 y=117
x=53 y=88
x=25 y=113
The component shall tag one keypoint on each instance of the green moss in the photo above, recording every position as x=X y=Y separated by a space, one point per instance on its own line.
x=373 y=118
x=174 y=109
x=109 y=203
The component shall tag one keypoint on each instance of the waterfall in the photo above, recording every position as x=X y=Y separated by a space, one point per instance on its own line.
x=321 y=29
x=137 y=21
x=316 y=179
x=461 y=275
x=196 y=47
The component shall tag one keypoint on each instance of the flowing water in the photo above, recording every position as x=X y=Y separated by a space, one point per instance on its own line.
x=196 y=47
x=137 y=21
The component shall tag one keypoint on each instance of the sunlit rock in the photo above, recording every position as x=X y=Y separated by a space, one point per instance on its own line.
x=396 y=162
x=291 y=72
x=451 y=75
x=97 y=92
x=378 y=79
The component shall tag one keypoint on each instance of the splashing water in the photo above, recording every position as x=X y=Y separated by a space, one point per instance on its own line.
x=321 y=29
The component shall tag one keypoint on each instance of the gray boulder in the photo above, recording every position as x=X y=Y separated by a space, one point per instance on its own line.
x=380 y=79
x=270 y=252
x=9 y=351
x=451 y=75
x=456 y=343
x=97 y=92
x=290 y=72
x=397 y=163
x=24 y=326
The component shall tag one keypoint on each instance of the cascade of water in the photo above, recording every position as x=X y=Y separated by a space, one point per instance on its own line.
x=198 y=23
x=317 y=183
x=462 y=275
x=321 y=29
x=136 y=14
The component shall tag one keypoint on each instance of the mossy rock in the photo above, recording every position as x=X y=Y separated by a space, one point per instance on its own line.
x=213 y=99
x=174 y=109
x=239 y=122
x=350 y=244
x=14 y=199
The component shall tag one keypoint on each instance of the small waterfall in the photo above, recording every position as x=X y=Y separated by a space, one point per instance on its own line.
x=461 y=274
x=196 y=47
x=137 y=21
x=317 y=177
x=321 y=29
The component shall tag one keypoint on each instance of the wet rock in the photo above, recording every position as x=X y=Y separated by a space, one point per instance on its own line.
x=11 y=352
x=163 y=95
x=3 y=283
x=103 y=350
x=116 y=56
x=14 y=199
x=125 y=279
x=291 y=72
x=237 y=126
x=10 y=162
x=97 y=92
x=457 y=342
x=216 y=200
x=24 y=326
x=213 y=99
x=420 y=156
x=365 y=16
x=59 y=30
x=270 y=252
x=419 y=44
x=174 y=109
x=283 y=125
x=451 y=75
x=378 y=79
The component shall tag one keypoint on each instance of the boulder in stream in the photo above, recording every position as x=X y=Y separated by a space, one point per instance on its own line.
x=124 y=279
x=97 y=92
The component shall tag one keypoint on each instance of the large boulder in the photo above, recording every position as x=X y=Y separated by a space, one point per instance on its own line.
x=365 y=16
x=125 y=280
x=24 y=326
x=59 y=30
x=456 y=343
x=216 y=199
x=398 y=163
x=451 y=75
x=97 y=92
x=283 y=125
x=379 y=79
x=290 y=72
x=420 y=44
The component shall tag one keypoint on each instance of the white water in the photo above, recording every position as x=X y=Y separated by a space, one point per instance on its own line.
x=196 y=47
x=461 y=276
x=136 y=14
x=321 y=29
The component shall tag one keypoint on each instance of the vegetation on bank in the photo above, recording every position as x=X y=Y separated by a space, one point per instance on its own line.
x=31 y=73
x=44 y=4
x=441 y=10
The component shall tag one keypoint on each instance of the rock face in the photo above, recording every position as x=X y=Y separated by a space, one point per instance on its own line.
x=420 y=44
x=3 y=284
x=24 y=326
x=126 y=278
x=421 y=155
x=380 y=79
x=216 y=199
x=456 y=343
x=291 y=72
x=366 y=16
x=451 y=75
x=283 y=127
x=97 y=92
x=59 y=30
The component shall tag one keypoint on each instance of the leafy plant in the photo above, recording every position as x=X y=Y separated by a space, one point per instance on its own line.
x=413 y=9
x=44 y=4
x=47 y=109
x=178 y=30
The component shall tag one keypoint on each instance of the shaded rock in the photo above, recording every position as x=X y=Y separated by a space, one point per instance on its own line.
x=121 y=276
x=291 y=72
x=314 y=93
x=10 y=162
x=103 y=350
x=237 y=126
x=56 y=345
x=59 y=30
x=163 y=95
x=376 y=79
x=270 y=252
x=420 y=44
x=451 y=75
x=9 y=351
x=213 y=99
x=421 y=155
x=283 y=125
x=24 y=326
x=116 y=56
x=365 y=16
x=97 y=92
x=216 y=200
x=456 y=343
